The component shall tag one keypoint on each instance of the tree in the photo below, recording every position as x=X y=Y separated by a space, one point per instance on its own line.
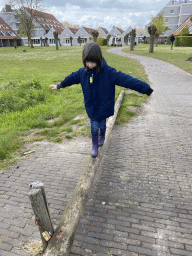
x=55 y=34
x=108 y=38
x=41 y=40
x=69 y=25
x=71 y=39
x=45 y=40
x=132 y=35
x=151 y=30
x=141 y=30
x=95 y=34
x=159 y=22
x=27 y=12
x=79 y=40
x=126 y=38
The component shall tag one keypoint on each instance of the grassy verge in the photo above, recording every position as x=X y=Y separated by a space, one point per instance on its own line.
x=178 y=56
x=30 y=111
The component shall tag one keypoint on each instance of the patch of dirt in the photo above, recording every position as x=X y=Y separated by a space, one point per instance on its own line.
x=138 y=110
x=52 y=120
x=189 y=59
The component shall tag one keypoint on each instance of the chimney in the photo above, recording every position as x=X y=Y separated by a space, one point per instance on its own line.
x=8 y=8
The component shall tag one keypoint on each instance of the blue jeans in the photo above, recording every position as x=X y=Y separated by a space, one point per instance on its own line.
x=95 y=125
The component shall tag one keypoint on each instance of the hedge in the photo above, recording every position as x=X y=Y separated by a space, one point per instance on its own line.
x=168 y=40
x=101 y=41
x=183 y=41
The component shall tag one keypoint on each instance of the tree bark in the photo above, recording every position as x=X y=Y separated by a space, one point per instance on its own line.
x=56 y=39
x=151 y=43
x=41 y=214
x=152 y=30
x=133 y=35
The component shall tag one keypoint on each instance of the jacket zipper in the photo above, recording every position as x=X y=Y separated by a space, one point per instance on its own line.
x=91 y=79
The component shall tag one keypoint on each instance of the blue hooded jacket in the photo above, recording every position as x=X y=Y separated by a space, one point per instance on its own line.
x=99 y=95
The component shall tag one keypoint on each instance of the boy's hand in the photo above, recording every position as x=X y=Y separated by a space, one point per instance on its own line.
x=53 y=86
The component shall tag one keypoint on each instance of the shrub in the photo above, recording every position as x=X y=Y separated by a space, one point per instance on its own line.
x=101 y=41
x=184 y=32
x=16 y=97
x=185 y=41
x=168 y=40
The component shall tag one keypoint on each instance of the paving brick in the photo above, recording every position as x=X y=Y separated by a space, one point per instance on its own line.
x=180 y=252
x=5 y=253
x=5 y=246
x=141 y=250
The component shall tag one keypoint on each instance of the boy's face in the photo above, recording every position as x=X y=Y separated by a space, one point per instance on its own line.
x=90 y=64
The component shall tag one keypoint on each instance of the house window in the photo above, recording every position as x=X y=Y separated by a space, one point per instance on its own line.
x=67 y=41
x=52 y=41
x=172 y=2
x=3 y=26
x=36 y=41
x=166 y=19
x=171 y=11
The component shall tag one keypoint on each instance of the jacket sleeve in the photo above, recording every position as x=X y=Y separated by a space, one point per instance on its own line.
x=121 y=79
x=73 y=78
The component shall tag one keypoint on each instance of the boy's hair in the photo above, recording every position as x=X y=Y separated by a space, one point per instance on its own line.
x=92 y=52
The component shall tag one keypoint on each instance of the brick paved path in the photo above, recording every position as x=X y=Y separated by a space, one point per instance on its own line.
x=59 y=166
x=141 y=201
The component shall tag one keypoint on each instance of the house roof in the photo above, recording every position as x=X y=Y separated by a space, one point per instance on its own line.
x=6 y=31
x=187 y=22
x=73 y=30
x=105 y=30
x=46 y=20
x=121 y=30
x=89 y=30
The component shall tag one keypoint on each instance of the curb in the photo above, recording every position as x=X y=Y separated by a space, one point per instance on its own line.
x=62 y=240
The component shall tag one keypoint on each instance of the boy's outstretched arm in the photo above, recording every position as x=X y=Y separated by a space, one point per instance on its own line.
x=149 y=91
x=127 y=81
x=53 y=86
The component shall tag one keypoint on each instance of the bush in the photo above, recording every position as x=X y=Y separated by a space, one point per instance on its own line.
x=185 y=41
x=101 y=41
x=16 y=97
x=168 y=40
x=184 y=32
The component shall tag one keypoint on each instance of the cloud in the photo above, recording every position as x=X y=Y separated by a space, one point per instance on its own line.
x=72 y=7
x=101 y=17
x=105 y=13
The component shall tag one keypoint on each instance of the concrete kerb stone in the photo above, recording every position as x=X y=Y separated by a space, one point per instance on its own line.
x=62 y=240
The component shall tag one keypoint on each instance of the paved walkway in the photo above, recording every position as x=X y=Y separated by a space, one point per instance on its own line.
x=59 y=167
x=141 y=201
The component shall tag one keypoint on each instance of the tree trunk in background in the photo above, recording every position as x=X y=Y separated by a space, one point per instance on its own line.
x=56 y=39
x=152 y=30
x=133 y=35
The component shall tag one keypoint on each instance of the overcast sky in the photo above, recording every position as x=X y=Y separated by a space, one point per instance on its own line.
x=104 y=13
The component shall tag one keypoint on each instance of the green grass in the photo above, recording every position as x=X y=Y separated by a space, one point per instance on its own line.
x=27 y=105
x=177 y=56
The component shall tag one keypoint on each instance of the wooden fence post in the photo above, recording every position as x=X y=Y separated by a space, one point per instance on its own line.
x=41 y=211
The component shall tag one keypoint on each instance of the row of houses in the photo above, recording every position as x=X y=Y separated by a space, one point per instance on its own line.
x=177 y=15
x=45 y=24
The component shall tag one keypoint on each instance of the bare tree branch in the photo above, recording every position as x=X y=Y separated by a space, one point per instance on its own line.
x=27 y=12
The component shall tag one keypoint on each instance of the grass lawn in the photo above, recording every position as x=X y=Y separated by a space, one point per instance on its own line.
x=30 y=111
x=177 y=56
